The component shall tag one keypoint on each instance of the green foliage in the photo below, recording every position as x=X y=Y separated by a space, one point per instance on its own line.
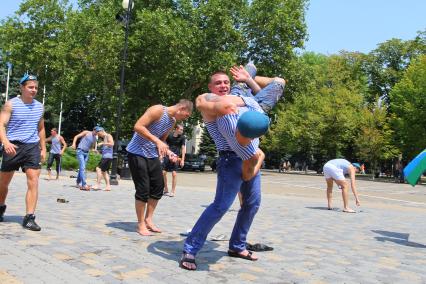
x=408 y=101
x=207 y=146
x=69 y=160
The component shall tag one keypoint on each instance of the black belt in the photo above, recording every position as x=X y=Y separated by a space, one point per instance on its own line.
x=224 y=153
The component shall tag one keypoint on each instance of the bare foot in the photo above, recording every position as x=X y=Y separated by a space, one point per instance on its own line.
x=349 y=210
x=107 y=189
x=244 y=255
x=152 y=227
x=143 y=230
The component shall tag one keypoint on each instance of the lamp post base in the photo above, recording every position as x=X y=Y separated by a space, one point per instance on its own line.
x=113 y=182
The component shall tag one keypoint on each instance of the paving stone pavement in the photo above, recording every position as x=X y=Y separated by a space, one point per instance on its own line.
x=92 y=239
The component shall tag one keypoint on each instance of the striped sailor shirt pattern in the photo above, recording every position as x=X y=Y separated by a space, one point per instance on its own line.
x=107 y=152
x=86 y=142
x=146 y=148
x=219 y=140
x=24 y=120
x=56 y=145
x=227 y=126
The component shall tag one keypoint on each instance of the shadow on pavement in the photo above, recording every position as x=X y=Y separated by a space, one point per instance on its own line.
x=172 y=250
x=397 y=238
x=12 y=219
x=322 y=208
x=125 y=226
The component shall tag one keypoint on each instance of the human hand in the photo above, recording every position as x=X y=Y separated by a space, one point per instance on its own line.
x=73 y=146
x=240 y=74
x=357 y=202
x=10 y=148
x=181 y=163
x=43 y=155
x=162 y=148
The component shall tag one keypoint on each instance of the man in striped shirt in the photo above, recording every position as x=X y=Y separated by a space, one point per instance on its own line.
x=23 y=136
x=144 y=152
x=56 y=152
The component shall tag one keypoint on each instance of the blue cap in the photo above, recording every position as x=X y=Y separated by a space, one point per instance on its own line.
x=98 y=128
x=357 y=165
x=27 y=77
x=253 y=124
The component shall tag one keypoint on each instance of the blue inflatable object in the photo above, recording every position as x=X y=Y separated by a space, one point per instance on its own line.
x=253 y=124
x=414 y=170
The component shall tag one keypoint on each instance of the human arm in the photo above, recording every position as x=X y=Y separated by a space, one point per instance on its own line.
x=78 y=136
x=211 y=106
x=353 y=185
x=42 y=136
x=241 y=75
x=183 y=152
x=5 y=114
x=151 y=115
x=64 y=144
x=252 y=166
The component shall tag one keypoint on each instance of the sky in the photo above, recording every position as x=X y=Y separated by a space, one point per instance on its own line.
x=351 y=25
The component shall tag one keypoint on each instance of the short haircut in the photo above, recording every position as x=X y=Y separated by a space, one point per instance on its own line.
x=217 y=72
x=54 y=129
x=179 y=125
x=187 y=104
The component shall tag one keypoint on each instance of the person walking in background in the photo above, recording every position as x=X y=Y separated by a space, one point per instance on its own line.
x=144 y=152
x=23 y=136
x=176 y=142
x=335 y=170
x=87 y=142
x=105 y=163
x=56 y=151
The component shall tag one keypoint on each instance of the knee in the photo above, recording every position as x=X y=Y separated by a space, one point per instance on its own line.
x=279 y=80
x=174 y=174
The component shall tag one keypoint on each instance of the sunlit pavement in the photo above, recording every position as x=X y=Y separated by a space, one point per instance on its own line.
x=92 y=238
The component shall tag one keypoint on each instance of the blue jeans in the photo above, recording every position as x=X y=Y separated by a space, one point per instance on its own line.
x=267 y=98
x=229 y=183
x=82 y=158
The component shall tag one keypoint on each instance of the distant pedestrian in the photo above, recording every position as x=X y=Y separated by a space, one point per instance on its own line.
x=56 y=151
x=87 y=143
x=176 y=141
x=335 y=170
x=23 y=136
x=105 y=163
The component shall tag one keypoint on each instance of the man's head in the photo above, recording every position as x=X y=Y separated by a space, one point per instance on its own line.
x=184 y=109
x=29 y=85
x=219 y=83
x=179 y=129
x=100 y=131
x=54 y=132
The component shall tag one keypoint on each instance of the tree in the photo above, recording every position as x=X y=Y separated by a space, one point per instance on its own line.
x=408 y=100
x=207 y=146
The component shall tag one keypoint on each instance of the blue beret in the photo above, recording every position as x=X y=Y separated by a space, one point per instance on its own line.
x=253 y=124
x=27 y=77
x=98 y=129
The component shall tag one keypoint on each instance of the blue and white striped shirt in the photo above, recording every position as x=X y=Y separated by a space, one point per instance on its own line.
x=86 y=142
x=227 y=126
x=219 y=140
x=107 y=152
x=146 y=148
x=56 y=145
x=24 y=120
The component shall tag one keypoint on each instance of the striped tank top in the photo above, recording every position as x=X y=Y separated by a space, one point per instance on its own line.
x=24 y=120
x=107 y=151
x=227 y=126
x=146 y=148
x=86 y=142
x=56 y=145
x=219 y=141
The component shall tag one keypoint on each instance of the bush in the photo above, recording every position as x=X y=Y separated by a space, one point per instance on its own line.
x=69 y=160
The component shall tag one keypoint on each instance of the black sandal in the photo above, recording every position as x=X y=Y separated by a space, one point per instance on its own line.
x=239 y=255
x=188 y=260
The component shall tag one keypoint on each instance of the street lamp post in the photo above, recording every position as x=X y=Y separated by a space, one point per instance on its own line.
x=9 y=69
x=127 y=5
